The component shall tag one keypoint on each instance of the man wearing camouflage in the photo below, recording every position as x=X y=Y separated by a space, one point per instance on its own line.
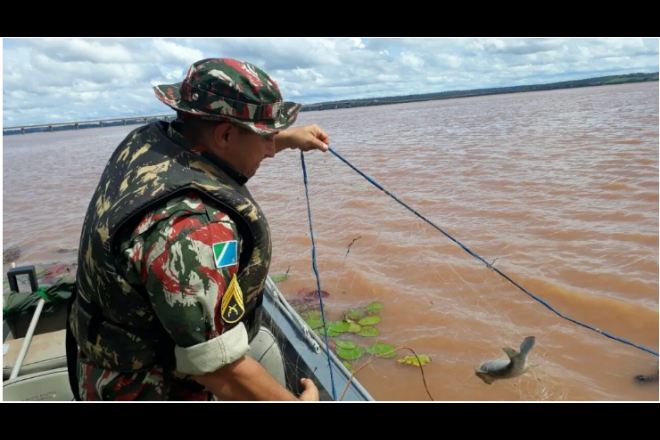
x=174 y=251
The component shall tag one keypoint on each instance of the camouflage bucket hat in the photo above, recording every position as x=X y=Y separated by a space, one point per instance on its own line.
x=224 y=89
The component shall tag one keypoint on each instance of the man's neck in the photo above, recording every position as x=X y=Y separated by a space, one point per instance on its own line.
x=227 y=167
x=201 y=148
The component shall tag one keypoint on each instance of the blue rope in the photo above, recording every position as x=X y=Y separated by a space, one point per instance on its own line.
x=318 y=280
x=490 y=266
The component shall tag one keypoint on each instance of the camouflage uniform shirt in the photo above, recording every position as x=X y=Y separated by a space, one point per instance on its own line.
x=170 y=252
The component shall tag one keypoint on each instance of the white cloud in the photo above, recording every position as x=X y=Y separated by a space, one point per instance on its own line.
x=86 y=78
x=357 y=42
x=412 y=61
x=77 y=49
x=169 y=51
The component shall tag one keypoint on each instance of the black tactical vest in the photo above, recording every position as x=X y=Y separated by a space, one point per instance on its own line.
x=112 y=320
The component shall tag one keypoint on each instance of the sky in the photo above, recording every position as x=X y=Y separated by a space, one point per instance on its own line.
x=52 y=80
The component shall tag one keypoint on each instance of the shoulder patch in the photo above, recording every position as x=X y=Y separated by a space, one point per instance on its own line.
x=232 y=308
x=225 y=253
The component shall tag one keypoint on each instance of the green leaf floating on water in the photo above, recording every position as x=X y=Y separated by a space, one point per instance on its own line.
x=380 y=349
x=348 y=366
x=354 y=328
x=412 y=360
x=279 y=278
x=331 y=334
x=371 y=321
x=369 y=332
x=314 y=323
x=313 y=319
x=351 y=355
x=339 y=327
x=311 y=315
x=346 y=345
x=374 y=307
x=356 y=314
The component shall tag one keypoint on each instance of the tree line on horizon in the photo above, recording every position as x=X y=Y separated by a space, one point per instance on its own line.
x=589 y=82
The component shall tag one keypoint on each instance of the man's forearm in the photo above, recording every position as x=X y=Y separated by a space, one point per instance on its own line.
x=282 y=141
x=245 y=380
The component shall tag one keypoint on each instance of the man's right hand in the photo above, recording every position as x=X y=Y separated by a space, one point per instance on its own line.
x=311 y=393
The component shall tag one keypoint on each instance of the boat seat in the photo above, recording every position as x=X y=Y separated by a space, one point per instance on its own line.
x=46 y=352
x=51 y=385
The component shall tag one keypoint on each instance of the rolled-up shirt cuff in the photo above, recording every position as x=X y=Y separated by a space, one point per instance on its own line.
x=212 y=355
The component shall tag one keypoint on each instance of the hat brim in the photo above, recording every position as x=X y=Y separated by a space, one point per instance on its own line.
x=169 y=94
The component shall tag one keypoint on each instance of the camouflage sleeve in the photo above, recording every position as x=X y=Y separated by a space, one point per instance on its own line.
x=186 y=255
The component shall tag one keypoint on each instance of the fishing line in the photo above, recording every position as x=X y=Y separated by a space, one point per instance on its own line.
x=318 y=280
x=488 y=265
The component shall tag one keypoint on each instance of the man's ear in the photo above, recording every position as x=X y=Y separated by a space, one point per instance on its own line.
x=221 y=134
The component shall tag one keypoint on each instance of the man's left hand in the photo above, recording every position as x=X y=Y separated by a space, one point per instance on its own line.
x=306 y=138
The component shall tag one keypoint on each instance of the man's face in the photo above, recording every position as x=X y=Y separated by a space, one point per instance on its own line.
x=245 y=150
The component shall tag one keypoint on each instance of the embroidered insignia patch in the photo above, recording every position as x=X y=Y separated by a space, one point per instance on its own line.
x=225 y=253
x=232 y=307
